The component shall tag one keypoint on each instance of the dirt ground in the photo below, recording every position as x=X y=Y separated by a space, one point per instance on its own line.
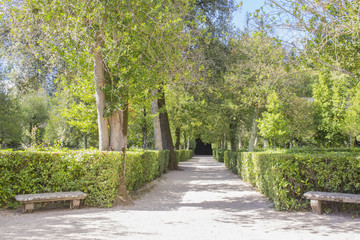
x=203 y=201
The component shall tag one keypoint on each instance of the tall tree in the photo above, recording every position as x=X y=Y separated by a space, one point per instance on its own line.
x=10 y=116
x=330 y=98
x=328 y=31
x=123 y=39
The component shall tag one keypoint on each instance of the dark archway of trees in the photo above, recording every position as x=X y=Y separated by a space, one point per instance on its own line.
x=202 y=148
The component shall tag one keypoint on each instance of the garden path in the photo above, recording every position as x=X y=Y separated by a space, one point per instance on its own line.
x=202 y=201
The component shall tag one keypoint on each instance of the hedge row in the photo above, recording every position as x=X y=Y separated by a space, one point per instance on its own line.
x=218 y=154
x=183 y=155
x=285 y=177
x=95 y=173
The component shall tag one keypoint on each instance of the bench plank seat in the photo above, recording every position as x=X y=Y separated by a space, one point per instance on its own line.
x=28 y=200
x=316 y=199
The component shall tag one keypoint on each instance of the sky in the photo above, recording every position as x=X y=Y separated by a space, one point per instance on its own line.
x=248 y=6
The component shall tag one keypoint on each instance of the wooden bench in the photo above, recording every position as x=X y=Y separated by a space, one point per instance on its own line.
x=28 y=200
x=316 y=199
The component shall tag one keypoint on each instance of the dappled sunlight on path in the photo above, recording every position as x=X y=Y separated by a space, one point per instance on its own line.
x=202 y=201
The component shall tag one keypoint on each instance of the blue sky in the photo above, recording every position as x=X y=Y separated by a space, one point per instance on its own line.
x=248 y=6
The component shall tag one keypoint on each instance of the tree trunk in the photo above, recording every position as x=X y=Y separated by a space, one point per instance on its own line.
x=233 y=130
x=185 y=141
x=266 y=143
x=123 y=192
x=116 y=131
x=188 y=143
x=100 y=96
x=177 y=143
x=240 y=142
x=253 y=130
x=167 y=142
x=156 y=121
x=144 y=129
x=85 y=141
x=225 y=142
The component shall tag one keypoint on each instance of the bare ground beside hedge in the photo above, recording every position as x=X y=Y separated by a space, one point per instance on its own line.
x=203 y=201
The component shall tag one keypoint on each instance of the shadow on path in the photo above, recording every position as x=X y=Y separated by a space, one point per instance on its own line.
x=203 y=200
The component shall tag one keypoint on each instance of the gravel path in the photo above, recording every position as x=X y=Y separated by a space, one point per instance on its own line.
x=203 y=201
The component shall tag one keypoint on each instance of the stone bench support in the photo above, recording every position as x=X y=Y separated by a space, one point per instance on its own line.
x=316 y=199
x=28 y=200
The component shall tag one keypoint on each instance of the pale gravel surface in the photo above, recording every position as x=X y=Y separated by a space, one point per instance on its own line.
x=203 y=201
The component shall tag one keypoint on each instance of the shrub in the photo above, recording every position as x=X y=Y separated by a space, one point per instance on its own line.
x=230 y=160
x=183 y=155
x=35 y=172
x=218 y=154
x=95 y=173
x=285 y=177
x=163 y=157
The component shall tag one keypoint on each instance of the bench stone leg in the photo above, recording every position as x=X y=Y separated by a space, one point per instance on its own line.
x=28 y=207
x=75 y=203
x=316 y=206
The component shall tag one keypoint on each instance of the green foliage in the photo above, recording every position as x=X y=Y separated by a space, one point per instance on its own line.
x=230 y=160
x=35 y=113
x=273 y=124
x=285 y=177
x=95 y=173
x=352 y=116
x=72 y=118
x=330 y=97
x=10 y=119
x=183 y=155
x=219 y=154
x=163 y=161
x=35 y=172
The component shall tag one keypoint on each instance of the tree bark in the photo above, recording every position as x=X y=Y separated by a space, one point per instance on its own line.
x=85 y=141
x=116 y=134
x=123 y=192
x=185 y=141
x=253 y=130
x=177 y=143
x=100 y=96
x=144 y=129
x=266 y=143
x=167 y=142
x=233 y=130
x=188 y=143
x=225 y=142
x=240 y=142
x=156 y=121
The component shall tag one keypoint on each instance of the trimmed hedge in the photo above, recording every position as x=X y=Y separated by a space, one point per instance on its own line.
x=183 y=155
x=218 y=154
x=285 y=177
x=95 y=173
